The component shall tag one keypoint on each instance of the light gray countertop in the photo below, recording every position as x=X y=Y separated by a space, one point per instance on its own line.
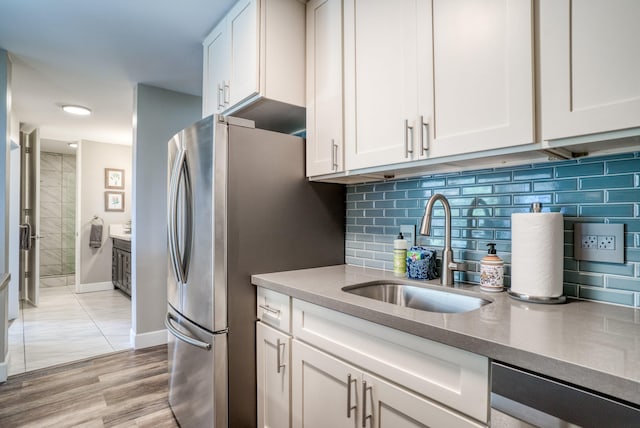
x=593 y=345
x=117 y=231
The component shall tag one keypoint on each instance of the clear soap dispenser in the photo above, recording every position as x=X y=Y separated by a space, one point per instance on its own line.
x=492 y=271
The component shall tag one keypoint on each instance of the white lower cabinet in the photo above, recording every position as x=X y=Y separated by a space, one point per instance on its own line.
x=328 y=392
x=330 y=369
x=273 y=370
x=324 y=391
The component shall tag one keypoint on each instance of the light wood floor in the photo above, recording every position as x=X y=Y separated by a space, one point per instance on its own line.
x=124 y=389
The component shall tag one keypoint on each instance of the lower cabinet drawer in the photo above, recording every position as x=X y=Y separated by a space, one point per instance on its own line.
x=274 y=309
x=451 y=376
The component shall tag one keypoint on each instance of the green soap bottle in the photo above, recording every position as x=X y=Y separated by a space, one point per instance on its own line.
x=400 y=256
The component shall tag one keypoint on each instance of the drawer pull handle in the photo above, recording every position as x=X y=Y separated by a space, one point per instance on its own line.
x=350 y=407
x=278 y=359
x=270 y=310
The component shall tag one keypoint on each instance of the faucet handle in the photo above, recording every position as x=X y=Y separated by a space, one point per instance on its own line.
x=457 y=266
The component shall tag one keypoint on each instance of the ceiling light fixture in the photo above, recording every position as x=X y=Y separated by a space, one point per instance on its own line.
x=77 y=110
x=73 y=145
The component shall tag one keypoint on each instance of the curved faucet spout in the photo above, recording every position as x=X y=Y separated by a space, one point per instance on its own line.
x=425 y=227
x=448 y=265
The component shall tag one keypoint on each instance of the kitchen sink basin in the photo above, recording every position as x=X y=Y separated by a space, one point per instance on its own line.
x=416 y=297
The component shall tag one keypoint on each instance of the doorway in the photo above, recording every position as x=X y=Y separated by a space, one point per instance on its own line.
x=55 y=323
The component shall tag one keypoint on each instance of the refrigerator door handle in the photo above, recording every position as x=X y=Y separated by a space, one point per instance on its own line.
x=172 y=226
x=184 y=260
x=184 y=337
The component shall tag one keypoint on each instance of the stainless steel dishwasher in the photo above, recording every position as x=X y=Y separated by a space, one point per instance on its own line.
x=521 y=399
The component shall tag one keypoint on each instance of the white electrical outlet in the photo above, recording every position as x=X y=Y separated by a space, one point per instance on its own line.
x=599 y=242
x=607 y=242
x=589 y=241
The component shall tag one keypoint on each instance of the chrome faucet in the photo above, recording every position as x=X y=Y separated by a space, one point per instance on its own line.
x=448 y=265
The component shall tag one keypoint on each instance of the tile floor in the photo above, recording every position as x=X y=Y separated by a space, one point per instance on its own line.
x=67 y=327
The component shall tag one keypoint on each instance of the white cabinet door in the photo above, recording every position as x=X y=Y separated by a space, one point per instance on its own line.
x=243 y=25
x=216 y=70
x=273 y=372
x=324 y=87
x=381 y=79
x=324 y=390
x=589 y=66
x=386 y=405
x=483 y=75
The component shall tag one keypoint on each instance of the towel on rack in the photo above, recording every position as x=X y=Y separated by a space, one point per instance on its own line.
x=95 y=237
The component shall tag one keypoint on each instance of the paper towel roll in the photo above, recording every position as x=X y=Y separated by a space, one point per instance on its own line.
x=537 y=253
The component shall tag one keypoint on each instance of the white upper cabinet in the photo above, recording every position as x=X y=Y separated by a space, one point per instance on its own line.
x=261 y=56
x=324 y=87
x=216 y=71
x=243 y=29
x=383 y=80
x=433 y=78
x=483 y=75
x=589 y=66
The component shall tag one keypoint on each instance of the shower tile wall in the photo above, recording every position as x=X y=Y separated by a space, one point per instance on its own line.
x=57 y=215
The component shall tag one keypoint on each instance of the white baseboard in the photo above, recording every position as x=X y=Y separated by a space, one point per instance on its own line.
x=4 y=368
x=94 y=286
x=147 y=340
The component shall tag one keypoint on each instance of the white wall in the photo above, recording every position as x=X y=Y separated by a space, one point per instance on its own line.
x=95 y=263
x=158 y=115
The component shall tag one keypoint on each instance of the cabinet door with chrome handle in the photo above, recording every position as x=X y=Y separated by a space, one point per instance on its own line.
x=387 y=405
x=273 y=371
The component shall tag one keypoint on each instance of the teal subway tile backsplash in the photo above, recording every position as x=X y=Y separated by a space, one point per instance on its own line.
x=533 y=174
x=580 y=170
x=617 y=167
x=608 y=181
x=581 y=197
x=600 y=190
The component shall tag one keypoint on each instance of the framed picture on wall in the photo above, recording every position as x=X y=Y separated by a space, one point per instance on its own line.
x=113 y=178
x=114 y=201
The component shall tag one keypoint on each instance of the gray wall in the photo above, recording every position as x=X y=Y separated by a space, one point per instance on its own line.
x=95 y=264
x=158 y=115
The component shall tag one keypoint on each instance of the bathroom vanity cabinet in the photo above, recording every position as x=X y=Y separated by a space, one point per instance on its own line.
x=121 y=265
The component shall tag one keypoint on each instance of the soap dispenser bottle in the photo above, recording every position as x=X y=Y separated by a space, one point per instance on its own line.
x=492 y=271
x=400 y=256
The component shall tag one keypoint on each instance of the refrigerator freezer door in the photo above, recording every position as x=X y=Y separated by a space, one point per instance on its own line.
x=197 y=373
x=196 y=202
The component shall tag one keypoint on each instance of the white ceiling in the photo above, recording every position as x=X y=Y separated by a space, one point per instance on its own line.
x=93 y=53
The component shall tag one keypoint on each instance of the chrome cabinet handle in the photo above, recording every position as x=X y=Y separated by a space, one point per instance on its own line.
x=226 y=92
x=334 y=155
x=274 y=312
x=349 y=406
x=220 y=100
x=408 y=149
x=184 y=337
x=364 y=404
x=278 y=359
x=424 y=136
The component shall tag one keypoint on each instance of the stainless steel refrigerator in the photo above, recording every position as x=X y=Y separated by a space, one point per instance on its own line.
x=238 y=204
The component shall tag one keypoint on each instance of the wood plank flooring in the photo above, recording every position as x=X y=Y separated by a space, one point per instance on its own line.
x=124 y=389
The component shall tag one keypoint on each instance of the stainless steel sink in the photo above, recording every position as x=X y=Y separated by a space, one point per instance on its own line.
x=416 y=297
